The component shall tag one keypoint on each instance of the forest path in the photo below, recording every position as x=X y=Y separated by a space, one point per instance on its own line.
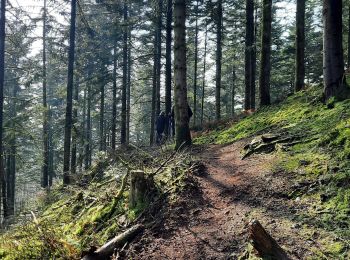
x=211 y=222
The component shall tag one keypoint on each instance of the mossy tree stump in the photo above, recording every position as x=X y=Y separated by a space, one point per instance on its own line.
x=139 y=187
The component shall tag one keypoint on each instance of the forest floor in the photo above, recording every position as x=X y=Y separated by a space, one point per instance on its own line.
x=203 y=200
x=211 y=222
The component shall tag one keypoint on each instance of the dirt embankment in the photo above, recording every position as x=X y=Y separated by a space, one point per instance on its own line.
x=210 y=222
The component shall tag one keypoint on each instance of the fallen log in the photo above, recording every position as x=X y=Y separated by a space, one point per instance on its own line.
x=264 y=244
x=267 y=147
x=107 y=250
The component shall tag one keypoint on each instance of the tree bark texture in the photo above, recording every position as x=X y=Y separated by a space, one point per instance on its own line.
x=333 y=62
x=300 y=46
x=265 y=63
x=266 y=246
x=195 y=67
x=204 y=71
x=45 y=169
x=168 y=72
x=249 y=49
x=114 y=99
x=183 y=135
x=68 y=121
x=218 y=61
x=125 y=72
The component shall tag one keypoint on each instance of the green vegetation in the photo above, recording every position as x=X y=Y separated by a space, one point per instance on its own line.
x=73 y=218
x=320 y=159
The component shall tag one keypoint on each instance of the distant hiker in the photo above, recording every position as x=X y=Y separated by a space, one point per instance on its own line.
x=172 y=117
x=161 y=123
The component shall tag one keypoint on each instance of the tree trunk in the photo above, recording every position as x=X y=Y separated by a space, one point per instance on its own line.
x=233 y=91
x=169 y=19
x=128 y=91
x=11 y=179
x=83 y=134
x=2 y=74
x=51 y=149
x=333 y=62
x=218 y=61
x=265 y=64
x=253 y=76
x=154 y=92
x=249 y=38
x=102 y=119
x=300 y=46
x=195 y=68
x=68 y=121
x=114 y=98
x=74 y=128
x=88 y=148
x=125 y=71
x=45 y=171
x=204 y=70
x=159 y=53
x=183 y=135
x=348 y=36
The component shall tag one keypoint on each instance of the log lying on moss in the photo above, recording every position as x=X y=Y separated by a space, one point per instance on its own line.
x=264 y=244
x=268 y=143
x=107 y=250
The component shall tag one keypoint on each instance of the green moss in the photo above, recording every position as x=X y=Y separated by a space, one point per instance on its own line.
x=320 y=162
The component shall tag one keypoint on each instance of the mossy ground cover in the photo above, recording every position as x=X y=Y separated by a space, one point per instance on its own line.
x=73 y=218
x=320 y=161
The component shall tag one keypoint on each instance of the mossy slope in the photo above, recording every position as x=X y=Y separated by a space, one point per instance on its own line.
x=75 y=217
x=320 y=161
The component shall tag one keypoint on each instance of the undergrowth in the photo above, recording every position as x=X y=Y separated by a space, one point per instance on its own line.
x=321 y=160
x=72 y=219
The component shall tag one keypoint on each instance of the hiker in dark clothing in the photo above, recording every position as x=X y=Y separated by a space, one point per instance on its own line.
x=172 y=118
x=162 y=120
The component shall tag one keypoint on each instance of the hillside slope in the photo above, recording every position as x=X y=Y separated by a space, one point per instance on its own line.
x=294 y=178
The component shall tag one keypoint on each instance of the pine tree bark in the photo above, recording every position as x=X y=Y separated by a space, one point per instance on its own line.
x=183 y=135
x=253 y=76
x=69 y=105
x=102 y=113
x=204 y=71
x=11 y=179
x=154 y=92
x=74 y=128
x=249 y=38
x=45 y=171
x=265 y=63
x=159 y=53
x=51 y=148
x=128 y=92
x=300 y=46
x=169 y=19
x=88 y=147
x=2 y=79
x=195 y=68
x=125 y=72
x=348 y=65
x=333 y=62
x=218 y=61
x=233 y=91
x=114 y=99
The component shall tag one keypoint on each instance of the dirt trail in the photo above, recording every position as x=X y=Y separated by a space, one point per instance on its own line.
x=210 y=222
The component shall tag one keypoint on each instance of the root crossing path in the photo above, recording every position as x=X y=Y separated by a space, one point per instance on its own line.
x=210 y=222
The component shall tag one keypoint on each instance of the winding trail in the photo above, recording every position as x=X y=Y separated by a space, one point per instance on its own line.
x=210 y=222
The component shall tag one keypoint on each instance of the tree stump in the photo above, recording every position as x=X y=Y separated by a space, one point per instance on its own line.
x=264 y=243
x=139 y=187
